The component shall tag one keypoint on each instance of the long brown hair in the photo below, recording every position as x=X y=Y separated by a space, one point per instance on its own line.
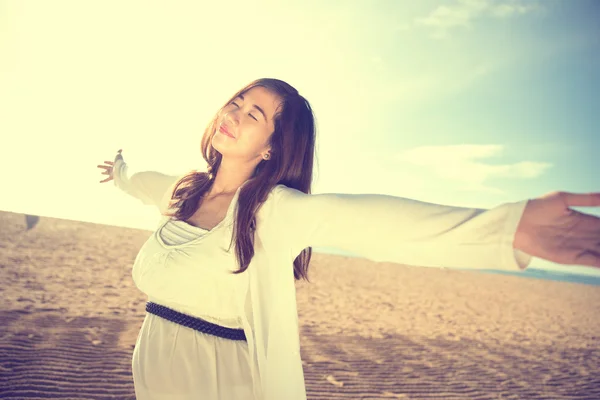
x=291 y=164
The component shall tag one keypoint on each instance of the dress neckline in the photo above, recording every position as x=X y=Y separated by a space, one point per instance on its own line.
x=208 y=232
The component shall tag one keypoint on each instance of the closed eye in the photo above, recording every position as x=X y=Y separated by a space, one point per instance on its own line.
x=248 y=113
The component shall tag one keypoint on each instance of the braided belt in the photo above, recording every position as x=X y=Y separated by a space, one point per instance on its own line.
x=195 y=323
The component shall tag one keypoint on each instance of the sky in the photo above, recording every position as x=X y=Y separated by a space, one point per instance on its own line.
x=470 y=103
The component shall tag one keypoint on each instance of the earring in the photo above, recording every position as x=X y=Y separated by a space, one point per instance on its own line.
x=267 y=156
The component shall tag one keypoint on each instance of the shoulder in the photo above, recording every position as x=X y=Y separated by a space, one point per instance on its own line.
x=169 y=183
x=280 y=201
x=281 y=193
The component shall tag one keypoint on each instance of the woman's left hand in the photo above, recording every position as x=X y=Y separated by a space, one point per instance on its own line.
x=550 y=230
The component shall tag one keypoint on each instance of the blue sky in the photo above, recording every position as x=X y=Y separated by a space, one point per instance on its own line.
x=468 y=103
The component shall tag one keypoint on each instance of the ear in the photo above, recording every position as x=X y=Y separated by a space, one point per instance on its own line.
x=267 y=152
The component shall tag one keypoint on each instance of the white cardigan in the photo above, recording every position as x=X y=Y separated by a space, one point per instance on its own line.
x=378 y=227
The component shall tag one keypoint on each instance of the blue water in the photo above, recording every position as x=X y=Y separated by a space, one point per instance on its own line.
x=529 y=272
x=535 y=273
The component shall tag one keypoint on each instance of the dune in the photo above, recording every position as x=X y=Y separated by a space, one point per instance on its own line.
x=70 y=316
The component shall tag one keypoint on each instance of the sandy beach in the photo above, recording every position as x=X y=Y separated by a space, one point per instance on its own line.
x=71 y=314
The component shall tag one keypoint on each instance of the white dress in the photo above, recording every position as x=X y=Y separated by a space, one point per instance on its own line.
x=171 y=361
x=178 y=363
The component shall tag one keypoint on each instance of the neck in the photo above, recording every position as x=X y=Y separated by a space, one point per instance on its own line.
x=230 y=177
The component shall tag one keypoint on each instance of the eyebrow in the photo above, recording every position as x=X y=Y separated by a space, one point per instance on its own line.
x=257 y=107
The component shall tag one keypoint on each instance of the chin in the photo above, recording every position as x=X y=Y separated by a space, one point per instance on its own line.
x=218 y=145
x=216 y=142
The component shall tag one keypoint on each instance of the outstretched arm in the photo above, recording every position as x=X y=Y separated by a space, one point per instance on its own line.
x=401 y=230
x=148 y=186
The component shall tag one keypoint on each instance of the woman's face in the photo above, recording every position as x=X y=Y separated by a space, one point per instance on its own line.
x=249 y=119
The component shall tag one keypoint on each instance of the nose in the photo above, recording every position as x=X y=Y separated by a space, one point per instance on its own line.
x=228 y=120
x=233 y=111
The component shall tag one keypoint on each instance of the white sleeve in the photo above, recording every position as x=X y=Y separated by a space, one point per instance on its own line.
x=400 y=230
x=150 y=187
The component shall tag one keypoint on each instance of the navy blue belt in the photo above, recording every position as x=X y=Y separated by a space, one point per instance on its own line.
x=195 y=323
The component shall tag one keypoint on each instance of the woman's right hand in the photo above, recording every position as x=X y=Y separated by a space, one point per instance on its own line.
x=108 y=168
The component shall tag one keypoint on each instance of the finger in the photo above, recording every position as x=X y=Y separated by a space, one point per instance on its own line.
x=587 y=224
x=582 y=199
x=589 y=258
x=109 y=162
x=107 y=172
x=107 y=179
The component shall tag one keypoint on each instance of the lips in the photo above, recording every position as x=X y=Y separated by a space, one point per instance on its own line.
x=223 y=128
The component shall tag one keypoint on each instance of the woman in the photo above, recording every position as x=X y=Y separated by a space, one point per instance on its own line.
x=220 y=268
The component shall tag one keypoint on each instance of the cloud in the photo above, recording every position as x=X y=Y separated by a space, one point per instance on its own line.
x=436 y=82
x=506 y=10
x=465 y=164
x=464 y=12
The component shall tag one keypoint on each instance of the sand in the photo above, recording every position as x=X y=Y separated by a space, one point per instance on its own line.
x=71 y=313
